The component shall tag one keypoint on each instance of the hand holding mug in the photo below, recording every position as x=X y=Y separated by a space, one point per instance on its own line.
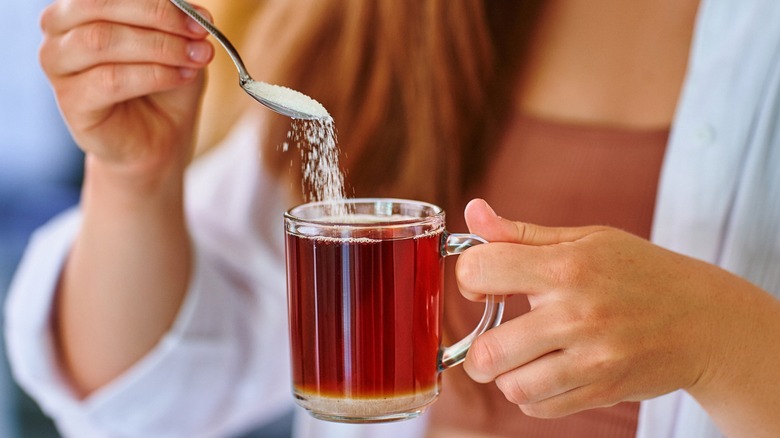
x=613 y=317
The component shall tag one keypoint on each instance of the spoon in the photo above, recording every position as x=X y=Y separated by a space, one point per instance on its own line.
x=283 y=100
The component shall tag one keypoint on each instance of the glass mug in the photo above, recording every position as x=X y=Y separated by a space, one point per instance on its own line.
x=364 y=290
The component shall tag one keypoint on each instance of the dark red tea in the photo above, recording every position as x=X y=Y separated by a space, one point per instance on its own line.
x=364 y=316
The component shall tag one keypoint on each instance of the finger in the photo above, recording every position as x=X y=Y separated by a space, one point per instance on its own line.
x=100 y=43
x=513 y=344
x=562 y=383
x=541 y=379
x=104 y=86
x=509 y=268
x=483 y=221
x=161 y=15
x=570 y=402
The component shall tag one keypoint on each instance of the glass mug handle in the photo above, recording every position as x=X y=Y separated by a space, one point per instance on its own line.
x=494 y=305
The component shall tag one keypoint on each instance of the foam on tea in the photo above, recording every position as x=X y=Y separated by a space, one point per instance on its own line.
x=358 y=218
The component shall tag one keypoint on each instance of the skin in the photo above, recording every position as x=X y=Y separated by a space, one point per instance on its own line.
x=614 y=318
x=128 y=79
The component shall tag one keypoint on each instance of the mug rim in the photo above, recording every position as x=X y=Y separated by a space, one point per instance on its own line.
x=438 y=213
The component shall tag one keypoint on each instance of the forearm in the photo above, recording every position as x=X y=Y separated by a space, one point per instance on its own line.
x=741 y=391
x=126 y=276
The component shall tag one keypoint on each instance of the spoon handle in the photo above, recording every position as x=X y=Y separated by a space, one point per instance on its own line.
x=200 y=19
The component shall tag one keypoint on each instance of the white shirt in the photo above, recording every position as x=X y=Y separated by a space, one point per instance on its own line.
x=224 y=365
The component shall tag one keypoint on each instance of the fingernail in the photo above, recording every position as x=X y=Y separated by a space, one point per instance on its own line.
x=195 y=28
x=199 y=51
x=489 y=208
x=187 y=73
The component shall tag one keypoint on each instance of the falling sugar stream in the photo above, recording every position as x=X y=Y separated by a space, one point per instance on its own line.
x=318 y=145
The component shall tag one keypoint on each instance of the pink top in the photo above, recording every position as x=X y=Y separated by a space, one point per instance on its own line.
x=556 y=174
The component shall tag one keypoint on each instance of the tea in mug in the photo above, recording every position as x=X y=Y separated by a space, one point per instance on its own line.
x=364 y=322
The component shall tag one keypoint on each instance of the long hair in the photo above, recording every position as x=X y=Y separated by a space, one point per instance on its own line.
x=418 y=90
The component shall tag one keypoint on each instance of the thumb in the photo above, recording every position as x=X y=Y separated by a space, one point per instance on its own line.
x=483 y=221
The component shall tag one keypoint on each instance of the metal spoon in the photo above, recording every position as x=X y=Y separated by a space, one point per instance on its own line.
x=283 y=100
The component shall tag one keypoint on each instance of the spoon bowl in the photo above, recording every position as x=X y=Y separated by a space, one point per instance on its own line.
x=280 y=99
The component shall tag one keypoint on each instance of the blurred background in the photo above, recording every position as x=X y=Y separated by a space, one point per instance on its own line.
x=40 y=175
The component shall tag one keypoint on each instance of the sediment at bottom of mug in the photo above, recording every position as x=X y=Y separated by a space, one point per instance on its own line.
x=366 y=410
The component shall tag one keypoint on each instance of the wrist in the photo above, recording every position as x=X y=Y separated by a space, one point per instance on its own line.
x=121 y=182
x=739 y=388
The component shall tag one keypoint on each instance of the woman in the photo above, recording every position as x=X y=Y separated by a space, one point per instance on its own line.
x=557 y=113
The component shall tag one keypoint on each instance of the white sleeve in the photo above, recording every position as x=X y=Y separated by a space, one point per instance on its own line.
x=224 y=364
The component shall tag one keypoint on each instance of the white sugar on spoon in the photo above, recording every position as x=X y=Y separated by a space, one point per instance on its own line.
x=293 y=100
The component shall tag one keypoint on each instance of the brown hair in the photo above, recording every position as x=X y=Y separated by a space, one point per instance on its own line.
x=418 y=89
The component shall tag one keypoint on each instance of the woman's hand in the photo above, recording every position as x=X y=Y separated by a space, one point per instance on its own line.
x=615 y=318
x=127 y=78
